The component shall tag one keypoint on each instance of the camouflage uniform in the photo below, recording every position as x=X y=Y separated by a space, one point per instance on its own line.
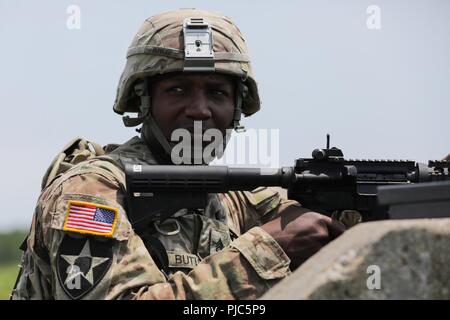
x=218 y=254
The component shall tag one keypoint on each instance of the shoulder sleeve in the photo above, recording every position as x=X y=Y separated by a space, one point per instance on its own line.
x=81 y=245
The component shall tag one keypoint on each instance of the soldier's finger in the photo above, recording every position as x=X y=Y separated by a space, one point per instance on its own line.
x=335 y=228
x=446 y=158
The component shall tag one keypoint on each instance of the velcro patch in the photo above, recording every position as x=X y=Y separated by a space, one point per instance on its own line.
x=90 y=218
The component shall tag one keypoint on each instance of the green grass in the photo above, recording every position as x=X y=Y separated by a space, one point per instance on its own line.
x=9 y=259
x=9 y=246
x=8 y=275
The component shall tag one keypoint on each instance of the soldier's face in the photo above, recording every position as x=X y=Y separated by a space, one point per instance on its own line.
x=179 y=100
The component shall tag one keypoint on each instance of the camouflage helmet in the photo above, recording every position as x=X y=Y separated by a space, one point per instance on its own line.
x=159 y=47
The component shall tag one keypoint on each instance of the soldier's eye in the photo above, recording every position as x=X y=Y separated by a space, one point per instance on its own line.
x=220 y=93
x=175 y=89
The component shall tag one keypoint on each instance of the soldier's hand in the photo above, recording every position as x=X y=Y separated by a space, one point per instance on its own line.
x=446 y=158
x=301 y=232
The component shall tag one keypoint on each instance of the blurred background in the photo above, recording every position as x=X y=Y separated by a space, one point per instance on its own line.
x=373 y=74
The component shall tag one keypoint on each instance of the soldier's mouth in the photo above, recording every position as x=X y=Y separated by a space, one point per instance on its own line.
x=196 y=130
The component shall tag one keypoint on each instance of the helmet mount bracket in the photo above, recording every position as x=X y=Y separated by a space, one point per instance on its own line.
x=198 y=45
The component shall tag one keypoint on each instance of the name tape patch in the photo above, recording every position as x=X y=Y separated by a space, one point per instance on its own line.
x=182 y=260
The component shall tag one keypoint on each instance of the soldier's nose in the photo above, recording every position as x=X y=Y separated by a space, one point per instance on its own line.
x=198 y=108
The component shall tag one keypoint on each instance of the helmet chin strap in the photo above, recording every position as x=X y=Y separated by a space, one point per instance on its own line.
x=150 y=131
x=242 y=92
x=160 y=147
x=156 y=141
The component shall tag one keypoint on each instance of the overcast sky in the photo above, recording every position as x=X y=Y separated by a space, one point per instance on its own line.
x=381 y=93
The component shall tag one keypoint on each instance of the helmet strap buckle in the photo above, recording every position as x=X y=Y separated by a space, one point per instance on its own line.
x=142 y=90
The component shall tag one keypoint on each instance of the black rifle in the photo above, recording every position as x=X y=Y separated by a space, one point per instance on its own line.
x=325 y=183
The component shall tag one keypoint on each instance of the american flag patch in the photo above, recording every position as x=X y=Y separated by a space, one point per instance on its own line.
x=90 y=218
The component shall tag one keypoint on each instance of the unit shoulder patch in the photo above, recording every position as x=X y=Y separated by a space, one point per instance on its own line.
x=81 y=263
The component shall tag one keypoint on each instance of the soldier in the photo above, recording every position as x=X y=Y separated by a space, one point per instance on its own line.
x=182 y=66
